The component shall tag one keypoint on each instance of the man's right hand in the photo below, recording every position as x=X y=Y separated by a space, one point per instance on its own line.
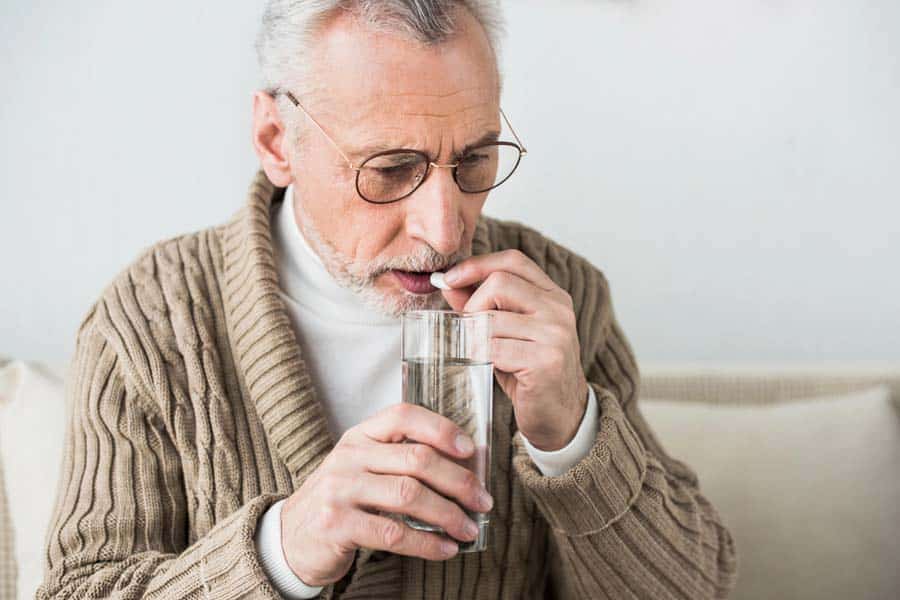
x=333 y=513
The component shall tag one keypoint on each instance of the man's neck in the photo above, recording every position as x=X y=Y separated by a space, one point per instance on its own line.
x=304 y=277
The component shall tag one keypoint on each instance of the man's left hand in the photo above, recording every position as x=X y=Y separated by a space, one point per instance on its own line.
x=534 y=345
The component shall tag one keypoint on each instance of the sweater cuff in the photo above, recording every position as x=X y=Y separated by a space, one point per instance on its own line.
x=224 y=562
x=556 y=462
x=274 y=563
x=600 y=488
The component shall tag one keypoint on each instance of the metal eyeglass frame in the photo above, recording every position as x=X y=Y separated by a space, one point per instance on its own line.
x=429 y=163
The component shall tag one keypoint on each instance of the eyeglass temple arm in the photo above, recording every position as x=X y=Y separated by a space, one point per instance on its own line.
x=341 y=152
x=316 y=123
x=508 y=124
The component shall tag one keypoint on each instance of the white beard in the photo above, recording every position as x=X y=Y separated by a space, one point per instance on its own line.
x=360 y=278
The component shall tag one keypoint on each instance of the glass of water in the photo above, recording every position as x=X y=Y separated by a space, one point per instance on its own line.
x=447 y=369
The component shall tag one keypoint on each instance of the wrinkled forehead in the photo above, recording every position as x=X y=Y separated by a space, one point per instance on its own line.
x=364 y=76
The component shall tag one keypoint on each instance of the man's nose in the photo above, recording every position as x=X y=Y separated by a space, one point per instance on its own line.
x=435 y=211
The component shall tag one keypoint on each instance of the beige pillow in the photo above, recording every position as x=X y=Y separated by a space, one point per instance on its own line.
x=810 y=489
x=32 y=430
x=7 y=550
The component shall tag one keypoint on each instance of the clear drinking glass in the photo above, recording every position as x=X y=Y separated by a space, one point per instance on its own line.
x=447 y=369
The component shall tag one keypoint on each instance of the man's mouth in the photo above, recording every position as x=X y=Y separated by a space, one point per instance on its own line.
x=417 y=282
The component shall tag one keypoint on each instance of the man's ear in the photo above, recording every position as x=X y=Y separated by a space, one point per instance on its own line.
x=269 y=139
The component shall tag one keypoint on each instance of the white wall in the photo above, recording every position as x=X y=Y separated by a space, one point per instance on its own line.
x=733 y=167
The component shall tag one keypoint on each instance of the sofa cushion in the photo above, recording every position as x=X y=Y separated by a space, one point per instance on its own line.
x=809 y=488
x=32 y=429
x=7 y=551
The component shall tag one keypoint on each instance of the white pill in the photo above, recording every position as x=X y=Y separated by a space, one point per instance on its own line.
x=437 y=280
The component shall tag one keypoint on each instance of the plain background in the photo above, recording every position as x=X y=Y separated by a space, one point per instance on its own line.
x=733 y=167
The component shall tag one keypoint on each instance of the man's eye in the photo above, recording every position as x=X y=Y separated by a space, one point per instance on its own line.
x=395 y=171
x=471 y=159
x=392 y=169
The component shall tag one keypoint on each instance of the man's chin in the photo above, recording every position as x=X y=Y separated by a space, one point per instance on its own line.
x=391 y=298
x=412 y=301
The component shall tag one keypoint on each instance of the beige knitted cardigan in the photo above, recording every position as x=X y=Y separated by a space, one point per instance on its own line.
x=192 y=411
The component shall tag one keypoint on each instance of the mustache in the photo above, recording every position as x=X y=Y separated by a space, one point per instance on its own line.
x=426 y=260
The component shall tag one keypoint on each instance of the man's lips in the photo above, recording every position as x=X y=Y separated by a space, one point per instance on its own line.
x=417 y=282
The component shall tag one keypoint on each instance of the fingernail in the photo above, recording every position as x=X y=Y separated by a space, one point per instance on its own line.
x=439 y=281
x=485 y=500
x=448 y=548
x=464 y=444
x=471 y=529
x=451 y=276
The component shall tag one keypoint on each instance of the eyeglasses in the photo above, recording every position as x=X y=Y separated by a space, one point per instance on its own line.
x=392 y=175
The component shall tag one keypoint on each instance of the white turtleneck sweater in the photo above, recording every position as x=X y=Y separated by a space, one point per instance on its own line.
x=365 y=345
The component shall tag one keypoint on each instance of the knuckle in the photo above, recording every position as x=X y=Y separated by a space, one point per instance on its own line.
x=429 y=545
x=330 y=482
x=471 y=487
x=515 y=254
x=568 y=302
x=345 y=445
x=351 y=437
x=472 y=482
x=462 y=520
x=379 y=414
x=401 y=412
x=447 y=430
x=392 y=412
x=408 y=490
x=329 y=516
x=344 y=440
x=560 y=332
x=332 y=459
x=554 y=358
x=498 y=278
x=329 y=486
x=392 y=533
x=419 y=457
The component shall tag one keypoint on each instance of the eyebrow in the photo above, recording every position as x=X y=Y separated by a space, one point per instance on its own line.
x=490 y=136
x=364 y=153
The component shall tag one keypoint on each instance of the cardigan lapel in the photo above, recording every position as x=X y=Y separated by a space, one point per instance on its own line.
x=263 y=343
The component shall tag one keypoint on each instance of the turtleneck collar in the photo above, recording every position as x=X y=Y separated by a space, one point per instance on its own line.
x=304 y=278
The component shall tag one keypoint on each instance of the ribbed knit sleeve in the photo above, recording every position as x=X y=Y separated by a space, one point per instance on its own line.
x=120 y=523
x=629 y=521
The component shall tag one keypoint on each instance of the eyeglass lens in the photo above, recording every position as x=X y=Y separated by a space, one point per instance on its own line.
x=392 y=175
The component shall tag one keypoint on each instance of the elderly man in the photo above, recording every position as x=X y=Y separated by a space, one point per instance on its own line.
x=235 y=390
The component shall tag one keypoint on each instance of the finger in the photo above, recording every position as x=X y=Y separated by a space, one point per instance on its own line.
x=477 y=268
x=407 y=495
x=460 y=481
x=512 y=356
x=404 y=421
x=505 y=291
x=383 y=533
x=513 y=325
x=458 y=297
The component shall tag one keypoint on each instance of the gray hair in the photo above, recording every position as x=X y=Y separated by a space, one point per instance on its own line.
x=288 y=28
